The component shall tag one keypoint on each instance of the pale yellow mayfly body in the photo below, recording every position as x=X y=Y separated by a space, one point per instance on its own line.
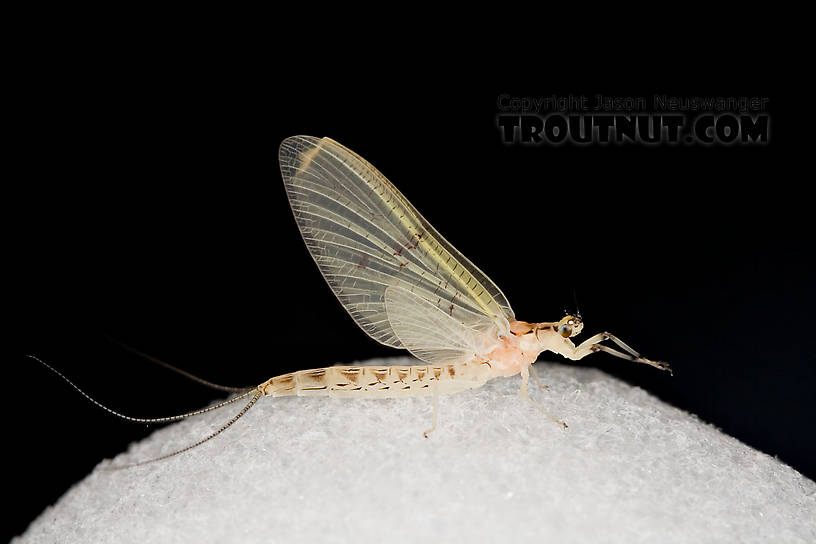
x=407 y=287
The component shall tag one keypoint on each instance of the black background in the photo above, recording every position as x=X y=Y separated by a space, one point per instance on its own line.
x=148 y=206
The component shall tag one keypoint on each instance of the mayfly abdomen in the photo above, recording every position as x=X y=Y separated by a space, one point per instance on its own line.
x=379 y=381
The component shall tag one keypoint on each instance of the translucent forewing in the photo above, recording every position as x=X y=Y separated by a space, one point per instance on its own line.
x=365 y=236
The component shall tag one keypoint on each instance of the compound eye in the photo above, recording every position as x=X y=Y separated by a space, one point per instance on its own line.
x=565 y=330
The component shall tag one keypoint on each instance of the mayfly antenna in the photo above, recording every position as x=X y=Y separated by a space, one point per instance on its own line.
x=575 y=298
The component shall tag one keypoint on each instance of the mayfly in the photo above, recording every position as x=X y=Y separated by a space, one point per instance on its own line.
x=407 y=287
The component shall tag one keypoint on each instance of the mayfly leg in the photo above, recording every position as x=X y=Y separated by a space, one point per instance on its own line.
x=592 y=345
x=525 y=380
x=435 y=410
x=534 y=373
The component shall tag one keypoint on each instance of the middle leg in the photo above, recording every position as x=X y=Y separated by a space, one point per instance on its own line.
x=525 y=380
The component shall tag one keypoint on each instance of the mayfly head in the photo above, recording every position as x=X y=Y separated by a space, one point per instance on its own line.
x=570 y=325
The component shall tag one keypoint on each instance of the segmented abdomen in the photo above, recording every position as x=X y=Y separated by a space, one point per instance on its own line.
x=380 y=381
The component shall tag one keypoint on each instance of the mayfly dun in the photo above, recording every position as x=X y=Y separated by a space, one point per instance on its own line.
x=407 y=287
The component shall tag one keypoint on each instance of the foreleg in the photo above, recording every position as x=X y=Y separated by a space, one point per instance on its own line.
x=593 y=345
